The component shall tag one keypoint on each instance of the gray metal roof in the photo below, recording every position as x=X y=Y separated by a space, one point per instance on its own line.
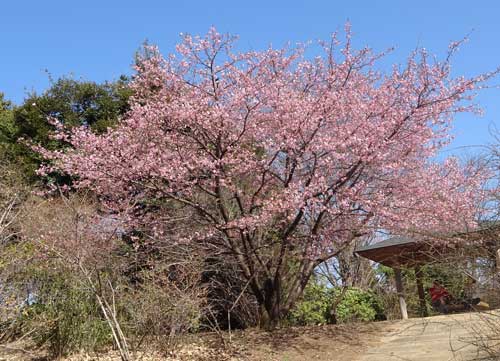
x=393 y=241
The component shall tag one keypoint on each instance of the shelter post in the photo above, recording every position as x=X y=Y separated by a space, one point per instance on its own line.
x=421 y=293
x=399 y=289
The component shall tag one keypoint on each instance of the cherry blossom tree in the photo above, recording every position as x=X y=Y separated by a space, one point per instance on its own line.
x=279 y=159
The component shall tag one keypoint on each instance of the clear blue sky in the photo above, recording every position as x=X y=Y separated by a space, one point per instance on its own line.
x=96 y=40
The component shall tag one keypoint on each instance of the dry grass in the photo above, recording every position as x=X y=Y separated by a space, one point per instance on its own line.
x=322 y=343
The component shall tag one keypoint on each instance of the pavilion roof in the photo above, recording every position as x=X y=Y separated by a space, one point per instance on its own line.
x=400 y=251
x=408 y=251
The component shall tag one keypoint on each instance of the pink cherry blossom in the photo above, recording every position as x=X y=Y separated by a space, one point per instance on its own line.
x=278 y=154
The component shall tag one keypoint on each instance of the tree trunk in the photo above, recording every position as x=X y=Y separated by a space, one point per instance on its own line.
x=271 y=309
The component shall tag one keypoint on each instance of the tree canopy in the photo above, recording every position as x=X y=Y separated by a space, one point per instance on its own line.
x=72 y=102
x=277 y=159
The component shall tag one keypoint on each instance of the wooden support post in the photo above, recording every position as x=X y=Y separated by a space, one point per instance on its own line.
x=399 y=288
x=421 y=292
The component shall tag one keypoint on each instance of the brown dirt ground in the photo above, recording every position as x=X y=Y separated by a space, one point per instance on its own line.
x=321 y=343
x=314 y=343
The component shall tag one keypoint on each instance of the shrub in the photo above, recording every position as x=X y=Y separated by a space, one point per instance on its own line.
x=321 y=304
x=166 y=304
x=357 y=305
x=314 y=306
x=63 y=315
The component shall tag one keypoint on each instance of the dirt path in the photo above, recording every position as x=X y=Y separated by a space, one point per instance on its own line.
x=439 y=338
x=317 y=343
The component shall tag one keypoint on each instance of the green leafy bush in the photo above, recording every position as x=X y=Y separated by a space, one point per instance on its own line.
x=64 y=316
x=321 y=304
x=314 y=306
x=357 y=305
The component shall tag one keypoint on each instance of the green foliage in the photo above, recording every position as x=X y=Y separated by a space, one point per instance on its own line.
x=46 y=299
x=7 y=126
x=73 y=103
x=314 y=306
x=63 y=315
x=449 y=274
x=384 y=272
x=321 y=305
x=357 y=305
x=4 y=103
x=53 y=301
x=452 y=277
